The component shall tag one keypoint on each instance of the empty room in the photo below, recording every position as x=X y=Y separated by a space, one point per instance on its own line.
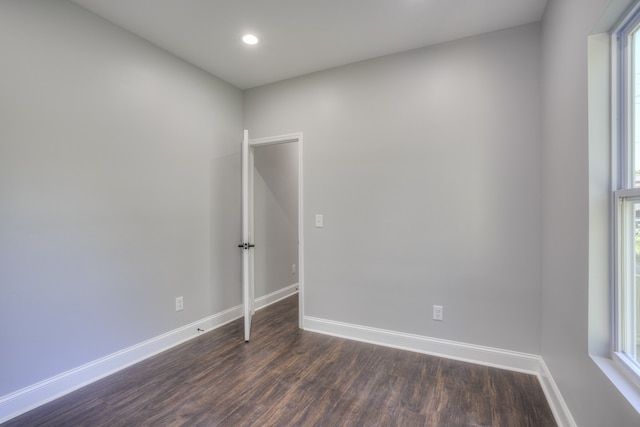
x=337 y=212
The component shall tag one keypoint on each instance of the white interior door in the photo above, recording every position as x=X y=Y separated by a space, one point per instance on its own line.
x=247 y=238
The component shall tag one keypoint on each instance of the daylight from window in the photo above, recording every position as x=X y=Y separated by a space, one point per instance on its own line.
x=636 y=107
x=631 y=290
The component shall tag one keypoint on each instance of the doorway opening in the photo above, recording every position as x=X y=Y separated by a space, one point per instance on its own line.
x=275 y=223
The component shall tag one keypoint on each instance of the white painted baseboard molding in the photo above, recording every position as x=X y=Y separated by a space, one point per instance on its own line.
x=30 y=397
x=276 y=296
x=557 y=403
x=488 y=356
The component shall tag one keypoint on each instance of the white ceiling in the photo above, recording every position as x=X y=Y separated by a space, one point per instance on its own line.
x=303 y=36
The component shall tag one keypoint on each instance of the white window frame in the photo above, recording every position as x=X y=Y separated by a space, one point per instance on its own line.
x=624 y=192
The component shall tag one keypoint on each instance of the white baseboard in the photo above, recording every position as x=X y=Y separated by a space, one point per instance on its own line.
x=21 y=401
x=30 y=397
x=488 y=356
x=556 y=402
x=514 y=361
x=276 y=296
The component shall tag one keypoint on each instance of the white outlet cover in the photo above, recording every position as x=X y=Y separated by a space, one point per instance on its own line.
x=438 y=312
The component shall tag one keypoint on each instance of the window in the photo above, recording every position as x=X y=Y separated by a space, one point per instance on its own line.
x=627 y=194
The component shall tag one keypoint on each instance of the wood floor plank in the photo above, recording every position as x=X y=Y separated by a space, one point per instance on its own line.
x=289 y=377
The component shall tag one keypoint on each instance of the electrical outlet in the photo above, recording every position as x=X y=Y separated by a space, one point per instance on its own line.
x=179 y=304
x=437 y=312
x=293 y=269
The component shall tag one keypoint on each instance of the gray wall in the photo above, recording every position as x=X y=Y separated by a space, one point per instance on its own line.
x=276 y=217
x=592 y=399
x=119 y=190
x=427 y=168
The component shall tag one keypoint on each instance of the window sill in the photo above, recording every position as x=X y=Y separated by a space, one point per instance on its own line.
x=621 y=379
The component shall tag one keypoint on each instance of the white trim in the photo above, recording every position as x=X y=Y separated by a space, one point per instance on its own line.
x=276 y=296
x=629 y=367
x=481 y=355
x=556 y=402
x=627 y=193
x=247 y=253
x=621 y=378
x=21 y=401
x=498 y=358
x=301 y=264
x=279 y=139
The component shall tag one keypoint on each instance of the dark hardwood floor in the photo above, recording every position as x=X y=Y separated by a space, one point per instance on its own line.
x=289 y=377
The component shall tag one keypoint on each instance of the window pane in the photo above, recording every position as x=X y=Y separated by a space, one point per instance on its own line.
x=630 y=289
x=635 y=108
x=634 y=293
x=627 y=182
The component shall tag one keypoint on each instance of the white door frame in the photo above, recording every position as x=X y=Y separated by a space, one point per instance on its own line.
x=284 y=139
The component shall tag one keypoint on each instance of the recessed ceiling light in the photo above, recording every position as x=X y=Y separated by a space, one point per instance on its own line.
x=250 y=39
